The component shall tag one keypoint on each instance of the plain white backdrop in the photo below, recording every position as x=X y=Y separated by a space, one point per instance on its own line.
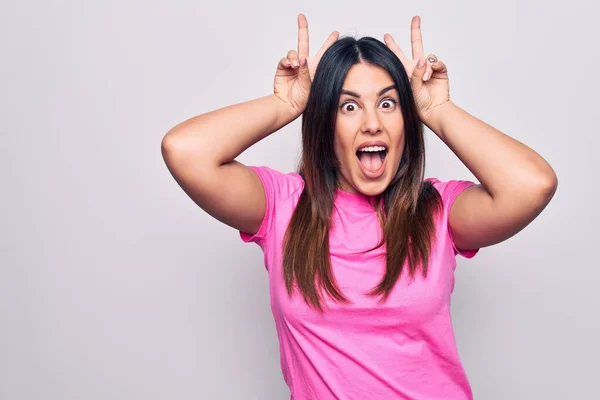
x=115 y=285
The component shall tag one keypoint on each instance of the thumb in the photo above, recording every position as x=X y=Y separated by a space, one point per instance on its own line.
x=418 y=72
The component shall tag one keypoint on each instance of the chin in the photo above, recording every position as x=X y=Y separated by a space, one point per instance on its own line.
x=366 y=186
x=372 y=188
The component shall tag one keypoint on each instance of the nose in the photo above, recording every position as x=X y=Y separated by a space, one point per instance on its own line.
x=371 y=123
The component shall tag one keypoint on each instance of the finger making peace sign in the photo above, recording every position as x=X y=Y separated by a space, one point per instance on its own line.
x=428 y=76
x=296 y=70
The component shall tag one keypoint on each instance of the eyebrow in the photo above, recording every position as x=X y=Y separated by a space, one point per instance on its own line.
x=382 y=91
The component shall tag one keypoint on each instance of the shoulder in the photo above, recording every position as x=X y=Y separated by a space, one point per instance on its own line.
x=282 y=190
x=449 y=189
x=279 y=184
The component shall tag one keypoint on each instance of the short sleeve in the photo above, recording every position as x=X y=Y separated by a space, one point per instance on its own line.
x=278 y=187
x=449 y=190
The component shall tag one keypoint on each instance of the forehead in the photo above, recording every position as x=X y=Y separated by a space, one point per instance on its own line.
x=366 y=79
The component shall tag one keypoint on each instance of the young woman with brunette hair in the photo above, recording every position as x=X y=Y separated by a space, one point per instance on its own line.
x=360 y=248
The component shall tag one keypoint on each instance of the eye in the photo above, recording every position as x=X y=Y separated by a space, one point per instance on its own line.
x=392 y=103
x=351 y=106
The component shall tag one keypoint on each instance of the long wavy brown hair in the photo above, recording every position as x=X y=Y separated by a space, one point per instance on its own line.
x=409 y=202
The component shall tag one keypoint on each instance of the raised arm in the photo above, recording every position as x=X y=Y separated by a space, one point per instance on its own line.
x=200 y=152
x=516 y=182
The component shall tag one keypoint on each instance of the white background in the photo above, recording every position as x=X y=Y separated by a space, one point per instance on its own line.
x=115 y=285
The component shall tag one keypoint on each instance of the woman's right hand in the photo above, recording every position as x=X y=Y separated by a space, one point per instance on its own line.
x=295 y=73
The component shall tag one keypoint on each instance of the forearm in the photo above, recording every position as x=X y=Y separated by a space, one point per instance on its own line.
x=219 y=136
x=503 y=165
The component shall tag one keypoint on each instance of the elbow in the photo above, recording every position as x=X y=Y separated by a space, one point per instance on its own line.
x=167 y=144
x=549 y=185
x=174 y=152
x=171 y=145
x=181 y=152
x=544 y=190
x=179 y=146
x=169 y=140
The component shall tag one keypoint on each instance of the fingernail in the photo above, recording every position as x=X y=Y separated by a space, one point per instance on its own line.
x=421 y=62
x=426 y=76
x=431 y=59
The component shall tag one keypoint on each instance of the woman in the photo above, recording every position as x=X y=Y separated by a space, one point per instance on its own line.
x=360 y=249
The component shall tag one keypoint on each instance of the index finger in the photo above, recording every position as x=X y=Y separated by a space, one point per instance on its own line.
x=415 y=38
x=302 y=36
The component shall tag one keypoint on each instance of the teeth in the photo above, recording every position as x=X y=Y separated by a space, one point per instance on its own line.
x=372 y=148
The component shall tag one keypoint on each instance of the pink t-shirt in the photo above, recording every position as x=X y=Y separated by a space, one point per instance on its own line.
x=402 y=349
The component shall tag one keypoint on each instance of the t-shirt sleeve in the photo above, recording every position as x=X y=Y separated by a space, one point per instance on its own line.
x=449 y=190
x=278 y=187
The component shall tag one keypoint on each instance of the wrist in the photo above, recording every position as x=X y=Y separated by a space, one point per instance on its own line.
x=285 y=112
x=434 y=119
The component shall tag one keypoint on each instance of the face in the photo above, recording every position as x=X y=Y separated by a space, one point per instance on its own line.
x=369 y=130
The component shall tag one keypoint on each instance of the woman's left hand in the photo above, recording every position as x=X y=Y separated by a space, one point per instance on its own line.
x=429 y=78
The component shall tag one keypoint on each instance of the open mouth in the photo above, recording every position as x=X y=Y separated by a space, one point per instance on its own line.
x=372 y=158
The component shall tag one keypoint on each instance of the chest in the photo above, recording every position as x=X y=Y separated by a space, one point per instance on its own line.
x=412 y=302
